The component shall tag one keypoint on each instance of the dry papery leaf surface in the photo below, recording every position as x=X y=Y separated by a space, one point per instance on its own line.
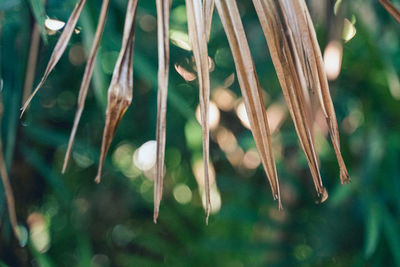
x=296 y=56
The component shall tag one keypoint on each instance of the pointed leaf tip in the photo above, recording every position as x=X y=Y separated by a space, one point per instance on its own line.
x=163 y=14
x=120 y=89
x=58 y=49
x=250 y=87
x=86 y=80
x=198 y=38
x=155 y=217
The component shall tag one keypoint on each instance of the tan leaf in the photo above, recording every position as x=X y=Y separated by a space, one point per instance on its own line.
x=208 y=10
x=86 y=79
x=163 y=12
x=197 y=35
x=120 y=90
x=321 y=83
x=275 y=22
x=250 y=87
x=58 y=49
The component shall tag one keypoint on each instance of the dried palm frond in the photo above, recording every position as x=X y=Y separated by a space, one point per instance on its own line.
x=120 y=90
x=58 y=49
x=197 y=35
x=285 y=58
x=314 y=57
x=250 y=87
x=163 y=11
x=298 y=62
x=86 y=79
x=391 y=9
x=296 y=56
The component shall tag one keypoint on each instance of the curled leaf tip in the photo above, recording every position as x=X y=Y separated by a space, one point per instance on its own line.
x=344 y=177
x=120 y=89
x=323 y=195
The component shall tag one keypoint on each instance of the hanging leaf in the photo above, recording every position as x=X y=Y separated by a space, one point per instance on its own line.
x=277 y=23
x=197 y=35
x=250 y=88
x=58 y=49
x=120 y=90
x=320 y=82
x=163 y=12
x=86 y=79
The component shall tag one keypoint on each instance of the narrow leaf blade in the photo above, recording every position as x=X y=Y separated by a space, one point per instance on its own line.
x=197 y=35
x=250 y=87
x=86 y=79
x=120 y=90
x=163 y=14
x=275 y=21
x=58 y=49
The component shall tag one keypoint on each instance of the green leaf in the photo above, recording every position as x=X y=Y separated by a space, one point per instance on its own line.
x=392 y=234
x=53 y=180
x=372 y=229
x=39 y=13
x=4 y=5
x=337 y=6
x=42 y=259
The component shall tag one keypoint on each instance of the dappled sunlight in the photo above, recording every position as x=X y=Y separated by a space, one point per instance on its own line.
x=213 y=115
x=333 y=59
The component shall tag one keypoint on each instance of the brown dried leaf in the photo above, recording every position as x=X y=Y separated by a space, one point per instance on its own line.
x=120 y=90
x=275 y=22
x=250 y=87
x=208 y=10
x=163 y=12
x=86 y=79
x=6 y=183
x=197 y=35
x=391 y=9
x=321 y=83
x=58 y=49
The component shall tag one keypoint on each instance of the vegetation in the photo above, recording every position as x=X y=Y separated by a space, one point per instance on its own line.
x=68 y=219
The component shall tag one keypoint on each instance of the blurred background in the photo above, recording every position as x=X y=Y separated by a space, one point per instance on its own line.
x=68 y=220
